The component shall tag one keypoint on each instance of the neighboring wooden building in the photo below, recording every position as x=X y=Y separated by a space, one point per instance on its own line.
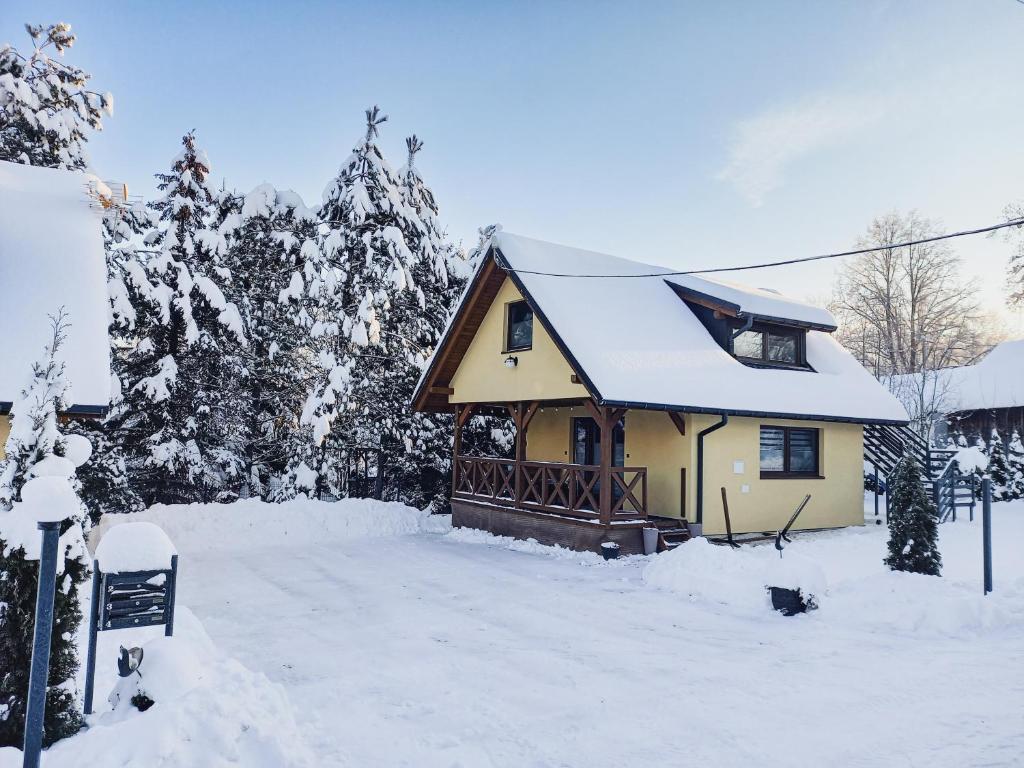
x=639 y=396
x=51 y=256
x=970 y=400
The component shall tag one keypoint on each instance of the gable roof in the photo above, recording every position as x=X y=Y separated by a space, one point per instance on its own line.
x=51 y=255
x=634 y=343
x=995 y=381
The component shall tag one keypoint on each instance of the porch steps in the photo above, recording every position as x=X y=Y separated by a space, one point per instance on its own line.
x=671 y=531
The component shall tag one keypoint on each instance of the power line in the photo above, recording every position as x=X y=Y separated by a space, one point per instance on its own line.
x=857 y=252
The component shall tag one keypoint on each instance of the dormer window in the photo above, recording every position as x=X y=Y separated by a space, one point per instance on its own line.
x=518 y=326
x=771 y=345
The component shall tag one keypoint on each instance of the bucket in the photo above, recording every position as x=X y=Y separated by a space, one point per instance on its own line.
x=609 y=550
x=650 y=540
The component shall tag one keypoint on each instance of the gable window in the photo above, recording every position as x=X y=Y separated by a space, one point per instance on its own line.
x=771 y=345
x=790 y=452
x=518 y=326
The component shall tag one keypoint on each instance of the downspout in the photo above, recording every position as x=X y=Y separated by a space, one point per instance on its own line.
x=698 y=524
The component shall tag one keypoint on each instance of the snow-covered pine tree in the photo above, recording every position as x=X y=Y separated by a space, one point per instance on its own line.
x=36 y=436
x=46 y=110
x=184 y=394
x=370 y=226
x=913 y=523
x=422 y=474
x=998 y=470
x=1015 y=463
x=275 y=257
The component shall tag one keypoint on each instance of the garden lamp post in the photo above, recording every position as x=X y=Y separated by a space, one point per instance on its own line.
x=36 y=708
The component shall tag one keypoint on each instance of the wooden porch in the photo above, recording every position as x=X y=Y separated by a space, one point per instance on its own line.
x=576 y=505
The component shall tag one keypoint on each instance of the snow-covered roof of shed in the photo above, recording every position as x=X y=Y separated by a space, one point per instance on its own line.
x=995 y=381
x=51 y=255
x=638 y=344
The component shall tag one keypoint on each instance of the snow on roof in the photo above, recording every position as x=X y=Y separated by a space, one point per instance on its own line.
x=638 y=342
x=51 y=255
x=995 y=381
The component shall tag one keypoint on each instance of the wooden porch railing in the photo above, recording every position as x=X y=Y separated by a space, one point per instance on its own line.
x=546 y=486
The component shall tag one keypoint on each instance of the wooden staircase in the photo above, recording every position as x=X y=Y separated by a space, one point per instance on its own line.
x=672 y=531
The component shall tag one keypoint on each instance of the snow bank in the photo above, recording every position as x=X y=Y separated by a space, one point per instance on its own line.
x=734 y=577
x=251 y=523
x=209 y=711
x=852 y=586
x=137 y=546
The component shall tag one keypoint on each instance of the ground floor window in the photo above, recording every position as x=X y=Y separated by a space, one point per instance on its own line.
x=790 y=452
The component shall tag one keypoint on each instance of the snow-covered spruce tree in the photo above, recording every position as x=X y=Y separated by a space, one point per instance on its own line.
x=998 y=470
x=1015 y=463
x=184 y=377
x=913 y=523
x=370 y=227
x=275 y=258
x=422 y=474
x=35 y=437
x=46 y=110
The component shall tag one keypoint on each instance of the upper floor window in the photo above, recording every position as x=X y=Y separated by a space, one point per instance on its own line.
x=771 y=345
x=518 y=326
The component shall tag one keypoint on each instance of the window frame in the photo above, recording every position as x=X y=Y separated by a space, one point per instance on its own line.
x=507 y=345
x=765 y=329
x=786 y=473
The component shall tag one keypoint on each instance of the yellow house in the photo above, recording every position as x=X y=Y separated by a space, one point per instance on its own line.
x=643 y=398
x=52 y=257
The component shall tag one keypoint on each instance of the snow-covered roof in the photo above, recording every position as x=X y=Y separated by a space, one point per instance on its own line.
x=995 y=381
x=636 y=343
x=51 y=256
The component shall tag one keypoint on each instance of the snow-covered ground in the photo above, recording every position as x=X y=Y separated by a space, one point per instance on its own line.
x=441 y=648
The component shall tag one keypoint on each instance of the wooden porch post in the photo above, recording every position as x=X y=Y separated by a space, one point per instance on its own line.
x=606 y=419
x=462 y=414
x=521 y=414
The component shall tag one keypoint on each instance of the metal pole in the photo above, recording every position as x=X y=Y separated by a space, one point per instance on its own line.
x=986 y=531
x=36 y=709
x=94 y=613
x=876 y=489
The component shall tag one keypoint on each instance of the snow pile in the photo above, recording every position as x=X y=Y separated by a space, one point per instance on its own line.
x=971 y=459
x=252 y=523
x=734 y=577
x=528 y=546
x=851 y=585
x=49 y=498
x=136 y=546
x=209 y=711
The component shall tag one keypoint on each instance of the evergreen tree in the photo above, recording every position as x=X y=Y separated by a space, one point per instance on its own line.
x=46 y=110
x=275 y=257
x=184 y=395
x=370 y=226
x=1015 y=463
x=913 y=523
x=998 y=470
x=35 y=436
x=423 y=472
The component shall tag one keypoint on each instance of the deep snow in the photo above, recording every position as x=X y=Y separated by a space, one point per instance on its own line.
x=441 y=648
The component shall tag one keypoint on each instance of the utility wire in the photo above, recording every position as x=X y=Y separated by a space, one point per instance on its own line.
x=857 y=252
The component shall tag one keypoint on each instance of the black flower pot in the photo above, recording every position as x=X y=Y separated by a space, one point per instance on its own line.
x=609 y=550
x=788 y=602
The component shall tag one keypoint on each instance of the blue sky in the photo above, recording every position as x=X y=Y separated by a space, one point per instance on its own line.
x=686 y=134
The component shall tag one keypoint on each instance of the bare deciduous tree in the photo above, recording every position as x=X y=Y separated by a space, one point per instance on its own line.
x=910 y=310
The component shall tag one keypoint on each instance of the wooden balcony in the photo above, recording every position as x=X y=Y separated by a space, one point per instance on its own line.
x=572 y=490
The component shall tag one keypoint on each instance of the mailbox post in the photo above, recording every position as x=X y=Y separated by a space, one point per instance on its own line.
x=129 y=594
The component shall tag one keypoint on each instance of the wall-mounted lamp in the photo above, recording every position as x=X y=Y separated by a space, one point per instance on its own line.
x=511 y=361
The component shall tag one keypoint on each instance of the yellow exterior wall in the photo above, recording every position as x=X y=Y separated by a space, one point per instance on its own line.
x=542 y=373
x=836 y=500
x=653 y=441
x=5 y=430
